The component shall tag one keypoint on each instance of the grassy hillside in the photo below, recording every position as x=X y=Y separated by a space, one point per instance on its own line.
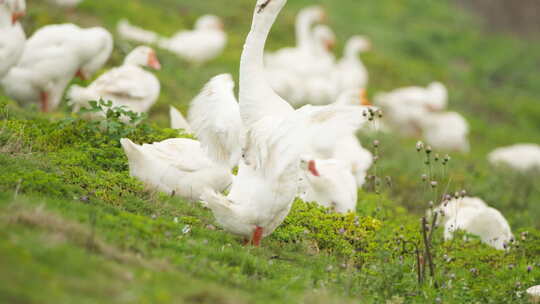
x=75 y=228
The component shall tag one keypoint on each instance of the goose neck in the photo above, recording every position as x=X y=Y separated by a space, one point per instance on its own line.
x=251 y=62
x=304 y=23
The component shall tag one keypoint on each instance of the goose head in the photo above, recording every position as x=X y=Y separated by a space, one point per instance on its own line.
x=209 y=22
x=143 y=56
x=324 y=37
x=439 y=96
x=313 y=14
x=309 y=165
x=17 y=9
x=357 y=44
x=269 y=6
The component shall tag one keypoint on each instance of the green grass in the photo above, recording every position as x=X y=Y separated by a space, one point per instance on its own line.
x=75 y=228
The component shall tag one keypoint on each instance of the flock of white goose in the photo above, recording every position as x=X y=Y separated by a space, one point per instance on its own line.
x=280 y=152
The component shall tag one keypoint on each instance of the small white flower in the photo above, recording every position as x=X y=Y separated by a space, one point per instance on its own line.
x=186 y=229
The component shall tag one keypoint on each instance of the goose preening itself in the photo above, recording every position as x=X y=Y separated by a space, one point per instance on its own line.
x=328 y=182
x=267 y=182
x=348 y=149
x=51 y=58
x=177 y=167
x=205 y=42
x=128 y=85
x=12 y=37
x=474 y=216
x=520 y=157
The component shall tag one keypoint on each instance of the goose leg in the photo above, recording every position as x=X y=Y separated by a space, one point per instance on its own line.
x=257 y=236
x=44 y=101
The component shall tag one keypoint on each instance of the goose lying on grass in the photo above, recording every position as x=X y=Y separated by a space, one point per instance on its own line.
x=405 y=107
x=266 y=185
x=51 y=58
x=204 y=43
x=520 y=157
x=474 y=216
x=12 y=37
x=176 y=166
x=128 y=85
x=447 y=131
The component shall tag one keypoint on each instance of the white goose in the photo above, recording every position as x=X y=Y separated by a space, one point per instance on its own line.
x=93 y=46
x=350 y=71
x=348 y=149
x=319 y=86
x=176 y=166
x=520 y=157
x=178 y=121
x=128 y=85
x=405 y=107
x=128 y=31
x=214 y=116
x=446 y=131
x=474 y=216
x=299 y=57
x=266 y=184
x=315 y=88
x=51 y=58
x=205 y=42
x=329 y=183
x=12 y=37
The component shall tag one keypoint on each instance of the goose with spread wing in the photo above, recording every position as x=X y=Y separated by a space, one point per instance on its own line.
x=276 y=135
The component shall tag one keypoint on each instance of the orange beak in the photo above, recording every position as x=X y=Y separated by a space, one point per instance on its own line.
x=330 y=44
x=153 y=61
x=80 y=74
x=16 y=16
x=313 y=168
x=363 y=98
